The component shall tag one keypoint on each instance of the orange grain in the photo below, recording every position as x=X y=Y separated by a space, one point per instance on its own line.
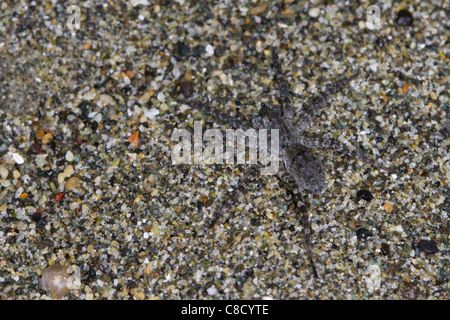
x=40 y=134
x=129 y=74
x=134 y=139
x=388 y=207
x=405 y=88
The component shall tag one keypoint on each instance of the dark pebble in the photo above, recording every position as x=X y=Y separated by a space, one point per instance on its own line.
x=380 y=42
x=219 y=51
x=94 y=126
x=428 y=246
x=128 y=90
x=404 y=18
x=363 y=233
x=150 y=72
x=199 y=50
x=84 y=108
x=385 y=249
x=187 y=88
x=364 y=194
x=411 y=291
x=45 y=243
x=141 y=90
x=392 y=269
x=36 y=217
x=35 y=148
x=255 y=222
x=391 y=140
x=240 y=279
x=183 y=49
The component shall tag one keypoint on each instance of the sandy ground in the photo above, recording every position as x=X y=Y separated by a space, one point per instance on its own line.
x=86 y=118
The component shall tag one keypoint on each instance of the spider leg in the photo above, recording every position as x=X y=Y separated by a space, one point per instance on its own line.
x=251 y=176
x=284 y=94
x=303 y=210
x=306 y=121
x=331 y=143
x=217 y=114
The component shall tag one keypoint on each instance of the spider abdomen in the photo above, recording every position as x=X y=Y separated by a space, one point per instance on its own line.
x=305 y=168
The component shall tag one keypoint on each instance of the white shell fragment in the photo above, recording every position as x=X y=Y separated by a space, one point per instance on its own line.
x=54 y=280
x=135 y=3
x=17 y=158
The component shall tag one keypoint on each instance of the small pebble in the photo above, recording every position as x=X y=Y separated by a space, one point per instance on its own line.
x=428 y=246
x=411 y=291
x=130 y=74
x=35 y=148
x=363 y=233
x=69 y=156
x=134 y=139
x=150 y=114
x=404 y=18
x=60 y=196
x=16 y=174
x=199 y=50
x=380 y=42
x=258 y=10
x=46 y=139
x=406 y=250
x=314 y=12
x=361 y=24
x=40 y=134
x=209 y=49
x=54 y=280
x=105 y=100
x=160 y=97
x=4 y=172
x=135 y=3
x=212 y=291
x=68 y=171
x=72 y=183
x=187 y=88
x=138 y=293
x=183 y=49
x=84 y=208
x=364 y=194
x=17 y=158
x=388 y=207
x=150 y=72
x=385 y=249
x=176 y=73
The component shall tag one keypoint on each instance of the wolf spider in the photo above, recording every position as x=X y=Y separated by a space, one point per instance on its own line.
x=301 y=170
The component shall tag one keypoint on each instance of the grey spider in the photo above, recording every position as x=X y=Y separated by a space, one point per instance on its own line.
x=301 y=170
